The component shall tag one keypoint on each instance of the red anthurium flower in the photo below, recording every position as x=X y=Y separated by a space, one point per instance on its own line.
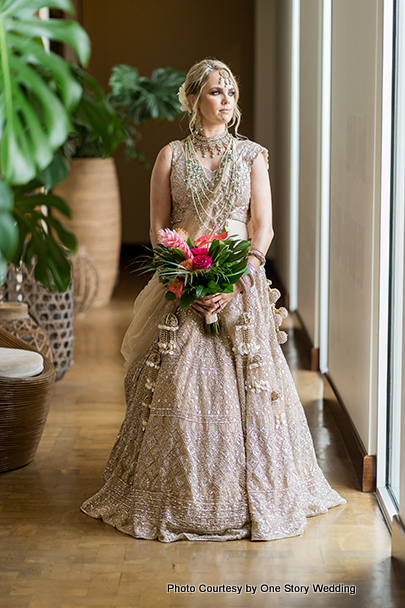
x=176 y=286
x=208 y=238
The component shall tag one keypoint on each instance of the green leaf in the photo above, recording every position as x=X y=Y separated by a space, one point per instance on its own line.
x=62 y=30
x=18 y=7
x=34 y=54
x=96 y=121
x=49 y=200
x=37 y=89
x=170 y=295
x=227 y=289
x=239 y=266
x=3 y=269
x=56 y=172
x=52 y=267
x=6 y=197
x=24 y=150
x=66 y=237
x=214 y=248
x=213 y=287
x=201 y=291
x=186 y=300
x=8 y=234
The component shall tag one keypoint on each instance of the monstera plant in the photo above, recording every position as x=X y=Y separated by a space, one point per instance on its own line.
x=91 y=187
x=136 y=100
x=39 y=91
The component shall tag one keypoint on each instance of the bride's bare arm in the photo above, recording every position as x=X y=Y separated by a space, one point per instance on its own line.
x=160 y=198
x=261 y=207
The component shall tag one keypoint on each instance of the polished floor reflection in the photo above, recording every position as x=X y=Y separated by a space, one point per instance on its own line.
x=53 y=556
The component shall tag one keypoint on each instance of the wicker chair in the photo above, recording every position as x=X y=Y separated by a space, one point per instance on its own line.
x=24 y=406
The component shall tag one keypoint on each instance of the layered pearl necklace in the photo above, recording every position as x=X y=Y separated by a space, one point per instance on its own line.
x=212 y=198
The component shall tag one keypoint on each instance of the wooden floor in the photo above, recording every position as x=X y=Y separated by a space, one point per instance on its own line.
x=53 y=556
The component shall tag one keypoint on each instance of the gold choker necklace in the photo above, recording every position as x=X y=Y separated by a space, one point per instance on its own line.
x=217 y=143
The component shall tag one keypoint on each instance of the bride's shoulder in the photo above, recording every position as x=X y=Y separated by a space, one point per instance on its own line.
x=176 y=146
x=249 y=150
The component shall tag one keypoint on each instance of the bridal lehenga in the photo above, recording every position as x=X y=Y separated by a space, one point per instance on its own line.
x=215 y=444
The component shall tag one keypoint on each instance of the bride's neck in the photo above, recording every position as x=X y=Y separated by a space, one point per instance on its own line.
x=213 y=131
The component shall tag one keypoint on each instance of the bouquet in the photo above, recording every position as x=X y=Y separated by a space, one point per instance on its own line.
x=191 y=270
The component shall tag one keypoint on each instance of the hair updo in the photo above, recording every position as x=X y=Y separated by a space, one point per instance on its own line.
x=197 y=78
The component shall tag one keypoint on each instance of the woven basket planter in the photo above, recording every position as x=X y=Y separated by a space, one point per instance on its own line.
x=15 y=319
x=52 y=311
x=86 y=281
x=24 y=406
x=91 y=191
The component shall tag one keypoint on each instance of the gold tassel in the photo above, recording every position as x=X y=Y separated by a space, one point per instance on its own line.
x=245 y=336
x=152 y=369
x=257 y=380
x=167 y=334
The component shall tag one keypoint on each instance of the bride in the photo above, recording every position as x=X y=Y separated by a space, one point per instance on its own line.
x=215 y=444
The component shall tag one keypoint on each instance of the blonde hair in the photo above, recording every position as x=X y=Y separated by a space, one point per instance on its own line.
x=197 y=78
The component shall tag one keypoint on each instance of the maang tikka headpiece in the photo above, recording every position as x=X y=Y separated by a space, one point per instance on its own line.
x=224 y=78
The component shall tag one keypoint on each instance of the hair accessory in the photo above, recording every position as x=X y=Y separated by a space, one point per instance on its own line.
x=185 y=106
x=224 y=78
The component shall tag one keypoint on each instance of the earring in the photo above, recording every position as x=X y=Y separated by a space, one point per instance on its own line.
x=198 y=124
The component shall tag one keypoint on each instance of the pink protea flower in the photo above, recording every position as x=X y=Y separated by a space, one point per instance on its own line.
x=173 y=240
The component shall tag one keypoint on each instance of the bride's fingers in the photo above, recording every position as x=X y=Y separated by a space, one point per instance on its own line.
x=197 y=306
x=197 y=312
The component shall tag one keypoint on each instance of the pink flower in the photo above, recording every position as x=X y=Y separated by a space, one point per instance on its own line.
x=173 y=240
x=176 y=286
x=201 y=261
x=208 y=238
x=199 y=251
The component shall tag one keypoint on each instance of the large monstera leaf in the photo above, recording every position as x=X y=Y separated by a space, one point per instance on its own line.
x=38 y=90
x=33 y=214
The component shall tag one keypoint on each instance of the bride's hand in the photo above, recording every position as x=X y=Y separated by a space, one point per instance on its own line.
x=216 y=303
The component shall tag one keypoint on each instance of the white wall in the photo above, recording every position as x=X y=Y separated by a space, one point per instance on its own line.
x=272 y=115
x=310 y=164
x=355 y=174
x=355 y=170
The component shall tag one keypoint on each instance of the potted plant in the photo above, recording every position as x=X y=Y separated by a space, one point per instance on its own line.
x=39 y=90
x=91 y=186
x=38 y=93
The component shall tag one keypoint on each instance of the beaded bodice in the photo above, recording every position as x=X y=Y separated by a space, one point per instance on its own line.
x=245 y=153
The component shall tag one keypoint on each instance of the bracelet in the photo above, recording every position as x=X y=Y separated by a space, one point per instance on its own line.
x=252 y=269
x=244 y=284
x=258 y=254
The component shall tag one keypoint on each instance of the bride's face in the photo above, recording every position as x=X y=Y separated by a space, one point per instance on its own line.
x=217 y=102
